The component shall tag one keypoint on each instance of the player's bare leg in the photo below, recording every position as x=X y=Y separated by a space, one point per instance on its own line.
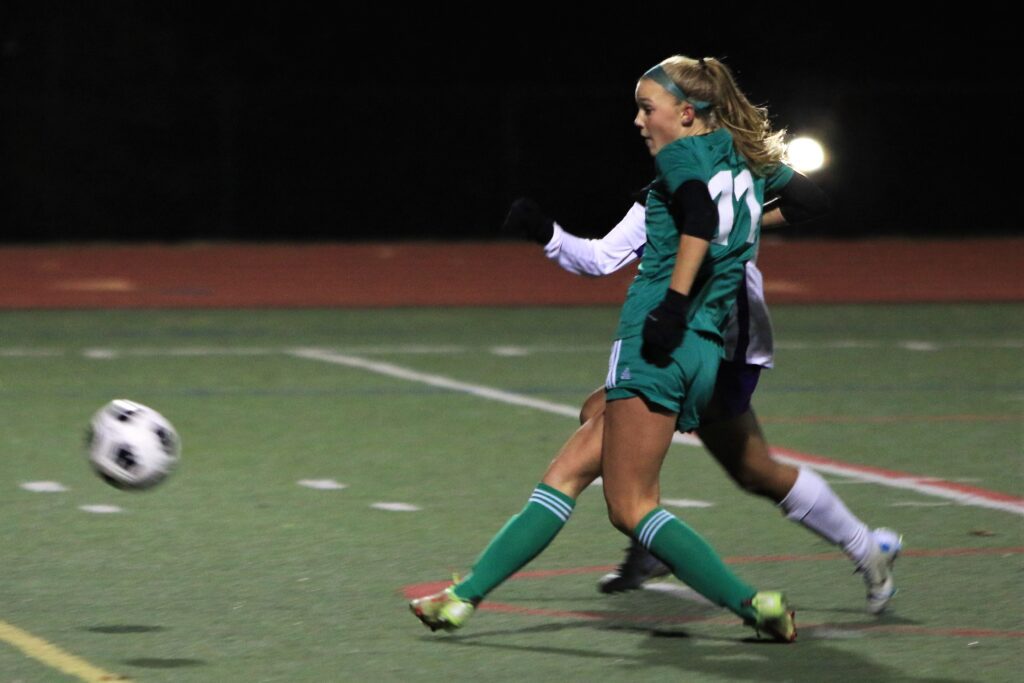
x=578 y=462
x=636 y=439
x=738 y=444
x=740 y=447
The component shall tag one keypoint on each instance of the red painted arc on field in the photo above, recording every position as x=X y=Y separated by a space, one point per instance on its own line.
x=417 y=590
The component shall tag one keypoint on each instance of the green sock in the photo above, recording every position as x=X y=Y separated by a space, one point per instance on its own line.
x=521 y=539
x=693 y=561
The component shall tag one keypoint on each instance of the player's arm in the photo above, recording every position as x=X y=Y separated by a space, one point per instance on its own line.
x=772 y=217
x=594 y=257
x=696 y=217
x=798 y=201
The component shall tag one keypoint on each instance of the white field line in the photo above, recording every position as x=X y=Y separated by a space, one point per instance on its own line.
x=499 y=350
x=438 y=381
x=924 y=485
x=928 y=486
x=30 y=353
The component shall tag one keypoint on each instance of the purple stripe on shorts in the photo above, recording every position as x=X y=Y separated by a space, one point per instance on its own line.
x=734 y=387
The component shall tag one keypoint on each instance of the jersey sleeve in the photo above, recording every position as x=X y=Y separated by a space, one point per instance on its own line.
x=620 y=247
x=778 y=179
x=676 y=163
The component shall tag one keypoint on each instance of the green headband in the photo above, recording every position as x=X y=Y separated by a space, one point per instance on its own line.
x=658 y=75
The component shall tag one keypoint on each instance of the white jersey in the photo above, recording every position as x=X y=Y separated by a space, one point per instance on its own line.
x=748 y=332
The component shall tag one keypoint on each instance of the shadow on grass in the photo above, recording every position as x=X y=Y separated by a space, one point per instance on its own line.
x=124 y=628
x=145 y=662
x=682 y=648
x=163 y=663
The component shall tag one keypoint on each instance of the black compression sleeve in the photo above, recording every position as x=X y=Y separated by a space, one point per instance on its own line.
x=801 y=200
x=693 y=210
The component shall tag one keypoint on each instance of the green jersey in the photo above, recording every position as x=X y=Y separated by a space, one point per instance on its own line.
x=739 y=195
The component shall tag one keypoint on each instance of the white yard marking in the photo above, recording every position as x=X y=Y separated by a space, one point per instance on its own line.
x=396 y=507
x=322 y=484
x=100 y=509
x=825 y=633
x=510 y=351
x=919 y=346
x=958 y=493
x=675 y=590
x=686 y=503
x=44 y=486
x=99 y=354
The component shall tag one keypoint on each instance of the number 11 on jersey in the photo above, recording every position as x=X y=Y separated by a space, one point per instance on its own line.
x=724 y=191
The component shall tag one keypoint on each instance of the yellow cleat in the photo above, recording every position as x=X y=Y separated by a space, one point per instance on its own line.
x=443 y=610
x=774 y=617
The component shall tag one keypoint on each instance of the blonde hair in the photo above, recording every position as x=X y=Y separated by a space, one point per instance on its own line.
x=709 y=80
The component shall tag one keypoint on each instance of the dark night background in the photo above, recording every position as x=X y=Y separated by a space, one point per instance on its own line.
x=160 y=121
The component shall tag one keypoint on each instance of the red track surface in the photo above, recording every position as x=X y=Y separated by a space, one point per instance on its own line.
x=477 y=274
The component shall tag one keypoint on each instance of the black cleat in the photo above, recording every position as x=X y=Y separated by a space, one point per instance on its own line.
x=639 y=566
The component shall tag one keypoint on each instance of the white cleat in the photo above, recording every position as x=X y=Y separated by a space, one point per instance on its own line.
x=877 y=568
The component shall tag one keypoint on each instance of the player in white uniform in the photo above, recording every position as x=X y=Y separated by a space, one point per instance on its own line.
x=729 y=430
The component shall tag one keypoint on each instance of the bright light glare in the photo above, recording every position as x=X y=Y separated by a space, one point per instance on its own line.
x=806 y=155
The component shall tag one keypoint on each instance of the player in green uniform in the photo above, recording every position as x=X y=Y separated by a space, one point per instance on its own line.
x=715 y=154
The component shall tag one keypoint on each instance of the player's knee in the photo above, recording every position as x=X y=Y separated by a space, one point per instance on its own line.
x=761 y=477
x=626 y=516
x=593 y=406
x=618 y=521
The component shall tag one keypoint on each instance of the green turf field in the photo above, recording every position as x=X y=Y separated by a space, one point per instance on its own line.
x=232 y=572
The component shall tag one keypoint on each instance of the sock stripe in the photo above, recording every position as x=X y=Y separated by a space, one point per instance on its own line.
x=644 y=534
x=557 y=506
x=653 y=526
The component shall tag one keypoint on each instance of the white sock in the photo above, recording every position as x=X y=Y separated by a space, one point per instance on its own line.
x=813 y=503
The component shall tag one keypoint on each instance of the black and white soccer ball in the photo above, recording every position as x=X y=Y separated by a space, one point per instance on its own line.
x=132 y=446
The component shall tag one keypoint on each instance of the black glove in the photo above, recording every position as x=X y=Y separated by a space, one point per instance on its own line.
x=664 y=328
x=525 y=219
x=640 y=196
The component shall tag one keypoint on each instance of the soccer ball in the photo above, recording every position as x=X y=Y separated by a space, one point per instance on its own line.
x=131 y=446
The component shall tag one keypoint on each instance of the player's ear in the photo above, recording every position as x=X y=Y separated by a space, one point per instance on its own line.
x=686 y=113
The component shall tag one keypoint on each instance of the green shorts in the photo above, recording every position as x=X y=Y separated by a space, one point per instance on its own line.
x=684 y=387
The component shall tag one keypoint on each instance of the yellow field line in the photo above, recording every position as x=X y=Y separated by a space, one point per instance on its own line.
x=52 y=656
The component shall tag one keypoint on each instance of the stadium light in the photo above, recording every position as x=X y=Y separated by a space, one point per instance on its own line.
x=806 y=154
